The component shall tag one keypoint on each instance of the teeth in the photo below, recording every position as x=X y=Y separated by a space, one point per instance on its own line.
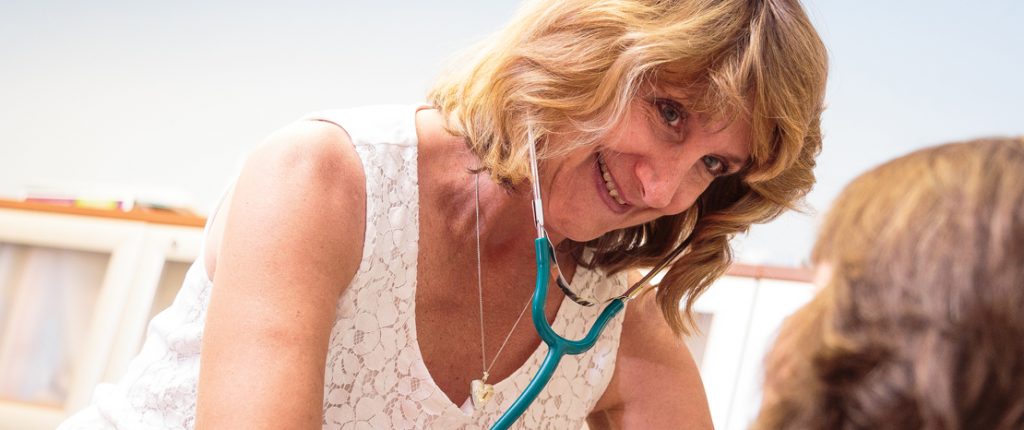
x=608 y=183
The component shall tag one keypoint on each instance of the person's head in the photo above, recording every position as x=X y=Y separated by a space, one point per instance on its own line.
x=703 y=114
x=921 y=322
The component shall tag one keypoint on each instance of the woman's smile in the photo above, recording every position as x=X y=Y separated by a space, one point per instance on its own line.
x=607 y=188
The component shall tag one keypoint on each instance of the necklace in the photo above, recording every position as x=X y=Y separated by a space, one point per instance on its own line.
x=481 y=392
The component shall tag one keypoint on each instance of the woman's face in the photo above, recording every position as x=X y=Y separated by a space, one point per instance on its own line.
x=655 y=162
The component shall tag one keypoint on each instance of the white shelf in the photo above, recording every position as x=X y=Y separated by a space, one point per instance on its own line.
x=114 y=323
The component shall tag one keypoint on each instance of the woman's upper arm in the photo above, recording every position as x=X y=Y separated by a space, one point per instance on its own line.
x=656 y=384
x=291 y=244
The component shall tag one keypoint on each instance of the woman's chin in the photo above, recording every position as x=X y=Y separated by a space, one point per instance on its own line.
x=576 y=233
x=583 y=239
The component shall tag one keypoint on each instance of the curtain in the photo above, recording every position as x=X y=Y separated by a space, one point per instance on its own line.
x=47 y=297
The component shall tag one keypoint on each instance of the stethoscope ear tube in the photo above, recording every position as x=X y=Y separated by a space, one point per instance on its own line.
x=558 y=346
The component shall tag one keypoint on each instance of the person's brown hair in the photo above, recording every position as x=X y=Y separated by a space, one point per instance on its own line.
x=922 y=322
x=578 y=63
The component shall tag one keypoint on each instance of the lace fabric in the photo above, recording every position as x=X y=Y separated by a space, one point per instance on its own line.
x=375 y=376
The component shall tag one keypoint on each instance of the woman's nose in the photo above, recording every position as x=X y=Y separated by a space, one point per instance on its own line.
x=661 y=178
x=658 y=181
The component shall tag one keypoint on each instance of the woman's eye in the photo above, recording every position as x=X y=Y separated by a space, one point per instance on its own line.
x=671 y=113
x=714 y=165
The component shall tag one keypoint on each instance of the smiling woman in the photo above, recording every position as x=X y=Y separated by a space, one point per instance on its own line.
x=750 y=74
x=336 y=288
x=654 y=162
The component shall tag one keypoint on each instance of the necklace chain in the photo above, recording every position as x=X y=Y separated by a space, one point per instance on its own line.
x=480 y=293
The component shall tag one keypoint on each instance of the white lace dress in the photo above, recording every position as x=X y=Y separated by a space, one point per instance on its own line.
x=375 y=377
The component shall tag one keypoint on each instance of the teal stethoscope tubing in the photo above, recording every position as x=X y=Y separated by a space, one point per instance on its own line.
x=558 y=346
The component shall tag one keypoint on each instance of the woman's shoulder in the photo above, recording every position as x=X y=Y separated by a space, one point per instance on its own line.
x=304 y=180
x=314 y=152
x=305 y=161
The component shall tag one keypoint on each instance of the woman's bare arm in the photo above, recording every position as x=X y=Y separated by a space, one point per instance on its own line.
x=291 y=244
x=656 y=384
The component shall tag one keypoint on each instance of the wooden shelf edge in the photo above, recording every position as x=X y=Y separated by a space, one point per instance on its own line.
x=798 y=274
x=144 y=215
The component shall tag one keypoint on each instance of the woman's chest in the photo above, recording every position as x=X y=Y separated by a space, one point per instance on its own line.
x=404 y=338
x=467 y=326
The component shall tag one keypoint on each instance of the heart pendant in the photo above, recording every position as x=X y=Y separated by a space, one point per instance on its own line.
x=481 y=392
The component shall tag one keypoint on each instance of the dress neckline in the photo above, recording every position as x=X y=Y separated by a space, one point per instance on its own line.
x=442 y=402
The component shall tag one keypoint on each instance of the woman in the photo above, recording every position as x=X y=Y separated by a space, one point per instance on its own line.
x=370 y=267
x=919 y=324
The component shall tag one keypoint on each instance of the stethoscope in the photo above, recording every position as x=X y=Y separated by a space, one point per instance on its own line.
x=559 y=346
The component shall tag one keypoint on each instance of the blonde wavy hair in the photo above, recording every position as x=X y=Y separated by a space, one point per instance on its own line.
x=921 y=324
x=572 y=67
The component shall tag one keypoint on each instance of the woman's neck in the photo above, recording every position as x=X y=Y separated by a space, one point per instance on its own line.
x=506 y=218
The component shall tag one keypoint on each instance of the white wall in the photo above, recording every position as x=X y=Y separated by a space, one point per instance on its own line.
x=173 y=94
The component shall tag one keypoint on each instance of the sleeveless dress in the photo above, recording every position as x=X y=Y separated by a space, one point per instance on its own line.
x=375 y=376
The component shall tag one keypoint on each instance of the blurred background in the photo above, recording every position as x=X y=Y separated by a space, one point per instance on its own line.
x=155 y=104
